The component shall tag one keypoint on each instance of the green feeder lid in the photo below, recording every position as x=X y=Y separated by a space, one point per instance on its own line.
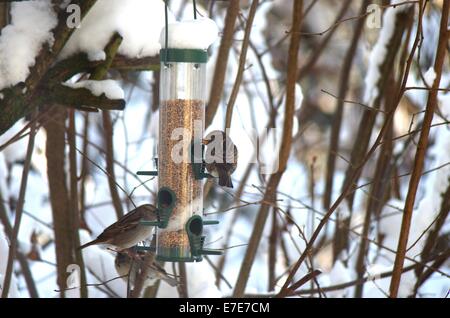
x=183 y=55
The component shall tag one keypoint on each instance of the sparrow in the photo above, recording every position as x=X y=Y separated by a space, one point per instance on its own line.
x=220 y=157
x=129 y=268
x=127 y=231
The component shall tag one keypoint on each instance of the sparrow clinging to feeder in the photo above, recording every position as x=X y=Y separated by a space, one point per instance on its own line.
x=220 y=157
x=127 y=231
x=129 y=267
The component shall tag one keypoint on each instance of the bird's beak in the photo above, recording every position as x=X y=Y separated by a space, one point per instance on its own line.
x=205 y=141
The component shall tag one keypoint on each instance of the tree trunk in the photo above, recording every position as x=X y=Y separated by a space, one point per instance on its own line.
x=59 y=196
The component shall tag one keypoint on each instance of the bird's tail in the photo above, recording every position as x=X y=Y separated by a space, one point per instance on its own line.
x=224 y=178
x=87 y=244
x=170 y=280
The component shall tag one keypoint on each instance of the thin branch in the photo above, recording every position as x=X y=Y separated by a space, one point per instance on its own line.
x=18 y=216
x=283 y=155
x=81 y=98
x=433 y=236
x=358 y=170
x=368 y=119
x=222 y=62
x=310 y=276
x=420 y=154
x=315 y=55
x=242 y=60
x=98 y=74
x=183 y=286
x=27 y=274
x=74 y=211
x=343 y=88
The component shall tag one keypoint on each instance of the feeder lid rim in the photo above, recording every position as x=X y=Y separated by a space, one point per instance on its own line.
x=183 y=55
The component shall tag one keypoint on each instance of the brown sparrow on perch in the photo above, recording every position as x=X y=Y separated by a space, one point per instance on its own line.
x=220 y=157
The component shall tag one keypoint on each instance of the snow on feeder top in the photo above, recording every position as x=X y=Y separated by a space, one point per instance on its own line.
x=181 y=125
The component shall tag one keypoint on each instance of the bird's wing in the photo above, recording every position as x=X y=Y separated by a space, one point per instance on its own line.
x=126 y=223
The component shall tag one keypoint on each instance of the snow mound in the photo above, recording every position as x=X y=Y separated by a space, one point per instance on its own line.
x=110 y=88
x=139 y=22
x=190 y=34
x=21 y=41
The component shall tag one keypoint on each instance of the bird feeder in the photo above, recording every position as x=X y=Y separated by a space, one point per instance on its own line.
x=180 y=161
x=181 y=125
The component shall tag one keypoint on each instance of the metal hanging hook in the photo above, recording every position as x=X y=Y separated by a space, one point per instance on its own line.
x=194 y=3
x=166 y=13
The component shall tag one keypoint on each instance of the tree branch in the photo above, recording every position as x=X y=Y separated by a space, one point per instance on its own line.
x=242 y=60
x=79 y=97
x=420 y=154
x=19 y=210
x=16 y=104
x=337 y=120
x=59 y=195
x=285 y=149
x=98 y=74
x=358 y=168
x=32 y=290
x=218 y=81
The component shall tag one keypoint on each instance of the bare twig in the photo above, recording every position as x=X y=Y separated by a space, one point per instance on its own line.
x=222 y=61
x=358 y=170
x=314 y=57
x=284 y=153
x=343 y=88
x=433 y=235
x=367 y=122
x=183 y=287
x=4 y=219
x=242 y=60
x=18 y=216
x=98 y=74
x=420 y=154
x=74 y=211
x=310 y=276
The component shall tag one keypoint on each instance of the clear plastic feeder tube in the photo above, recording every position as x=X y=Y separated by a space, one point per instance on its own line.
x=181 y=123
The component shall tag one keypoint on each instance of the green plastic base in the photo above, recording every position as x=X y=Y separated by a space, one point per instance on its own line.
x=183 y=56
x=163 y=258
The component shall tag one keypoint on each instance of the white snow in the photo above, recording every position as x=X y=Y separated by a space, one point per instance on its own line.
x=4 y=250
x=201 y=282
x=21 y=41
x=190 y=34
x=97 y=56
x=298 y=99
x=16 y=150
x=379 y=51
x=339 y=274
x=378 y=287
x=430 y=76
x=110 y=88
x=139 y=22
